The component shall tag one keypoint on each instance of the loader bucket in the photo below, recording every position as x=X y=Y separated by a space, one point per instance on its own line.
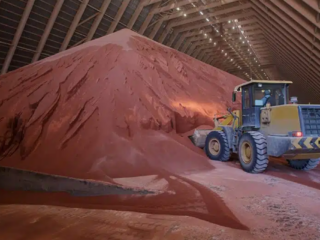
x=199 y=137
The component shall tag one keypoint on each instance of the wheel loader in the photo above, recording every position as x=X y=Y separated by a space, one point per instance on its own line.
x=267 y=125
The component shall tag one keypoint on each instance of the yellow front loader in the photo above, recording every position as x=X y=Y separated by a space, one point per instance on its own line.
x=266 y=125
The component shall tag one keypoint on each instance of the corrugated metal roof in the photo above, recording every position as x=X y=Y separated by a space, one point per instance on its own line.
x=280 y=39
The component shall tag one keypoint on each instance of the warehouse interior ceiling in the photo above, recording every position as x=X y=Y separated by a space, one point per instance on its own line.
x=252 y=39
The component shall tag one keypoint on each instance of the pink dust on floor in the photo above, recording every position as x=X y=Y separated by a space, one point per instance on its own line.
x=118 y=109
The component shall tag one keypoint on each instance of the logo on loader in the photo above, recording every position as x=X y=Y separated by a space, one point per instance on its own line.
x=306 y=143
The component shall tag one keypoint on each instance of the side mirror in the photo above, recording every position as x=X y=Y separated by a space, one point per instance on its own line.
x=234 y=96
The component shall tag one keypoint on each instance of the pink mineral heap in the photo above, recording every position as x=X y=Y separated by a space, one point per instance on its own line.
x=115 y=107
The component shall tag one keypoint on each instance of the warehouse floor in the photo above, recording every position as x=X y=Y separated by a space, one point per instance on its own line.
x=280 y=204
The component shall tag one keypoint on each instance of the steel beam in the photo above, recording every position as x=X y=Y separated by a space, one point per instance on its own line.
x=179 y=42
x=289 y=49
x=155 y=29
x=98 y=20
x=198 y=9
x=209 y=60
x=289 y=22
x=165 y=18
x=149 y=2
x=281 y=27
x=88 y=19
x=313 y=4
x=48 y=29
x=185 y=46
x=135 y=15
x=117 y=18
x=205 y=23
x=172 y=38
x=74 y=25
x=173 y=5
x=298 y=19
x=191 y=49
x=17 y=36
x=192 y=10
x=292 y=55
x=148 y=19
x=296 y=67
x=141 y=5
x=215 y=14
x=303 y=11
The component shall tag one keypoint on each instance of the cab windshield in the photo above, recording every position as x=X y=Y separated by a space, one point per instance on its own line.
x=264 y=93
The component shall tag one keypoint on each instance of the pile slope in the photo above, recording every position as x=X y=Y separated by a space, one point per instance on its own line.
x=117 y=107
x=109 y=108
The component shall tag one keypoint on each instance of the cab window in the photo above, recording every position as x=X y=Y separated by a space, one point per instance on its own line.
x=246 y=99
x=269 y=93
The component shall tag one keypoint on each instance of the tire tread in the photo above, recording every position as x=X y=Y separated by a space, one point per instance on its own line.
x=261 y=157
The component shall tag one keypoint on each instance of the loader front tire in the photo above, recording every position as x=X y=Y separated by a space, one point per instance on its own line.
x=304 y=165
x=253 y=152
x=216 y=146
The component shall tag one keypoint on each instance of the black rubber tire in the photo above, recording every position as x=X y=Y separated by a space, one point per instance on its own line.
x=224 y=154
x=258 y=143
x=304 y=165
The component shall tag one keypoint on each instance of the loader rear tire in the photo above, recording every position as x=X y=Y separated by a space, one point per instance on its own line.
x=216 y=146
x=252 y=152
x=304 y=165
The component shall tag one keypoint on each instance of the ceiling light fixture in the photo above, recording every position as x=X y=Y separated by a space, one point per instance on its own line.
x=178 y=8
x=201 y=13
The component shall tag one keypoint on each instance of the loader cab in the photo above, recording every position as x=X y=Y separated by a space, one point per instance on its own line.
x=256 y=95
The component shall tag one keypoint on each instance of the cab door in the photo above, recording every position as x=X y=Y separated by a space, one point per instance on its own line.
x=247 y=107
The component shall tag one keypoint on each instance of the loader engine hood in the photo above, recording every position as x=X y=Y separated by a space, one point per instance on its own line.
x=309 y=116
x=288 y=118
x=278 y=123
